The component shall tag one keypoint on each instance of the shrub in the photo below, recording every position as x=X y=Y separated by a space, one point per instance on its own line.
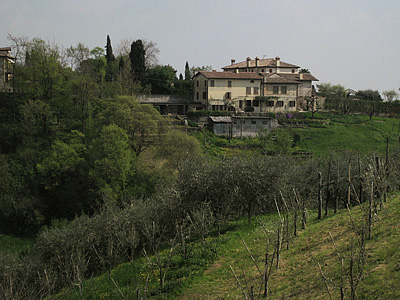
x=192 y=124
x=88 y=245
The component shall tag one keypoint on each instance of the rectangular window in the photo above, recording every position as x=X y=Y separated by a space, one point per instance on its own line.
x=205 y=95
x=248 y=102
x=255 y=91
x=270 y=103
x=256 y=103
x=275 y=89
x=279 y=103
x=262 y=70
x=212 y=83
x=228 y=95
x=292 y=103
x=197 y=95
x=229 y=83
x=292 y=70
x=241 y=104
x=251 y=81
x=197 y=83
x=205 y=83
x=248 y=90
x=254 y=122
x=283 y=89
x=270 y=70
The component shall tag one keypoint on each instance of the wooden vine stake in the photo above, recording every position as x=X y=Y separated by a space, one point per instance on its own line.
x=349 y=189
x=319 y=196
x=328 y=192
x=337 y=188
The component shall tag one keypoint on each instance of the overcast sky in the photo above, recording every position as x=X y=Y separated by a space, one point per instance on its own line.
x=348 y=42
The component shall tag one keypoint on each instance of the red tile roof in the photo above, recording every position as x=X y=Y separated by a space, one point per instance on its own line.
x=263 y=63
x=283 y=77
x=306 y=77
x=230 y=75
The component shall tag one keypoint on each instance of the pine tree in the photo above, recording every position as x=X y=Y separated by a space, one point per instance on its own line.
x=180 y=76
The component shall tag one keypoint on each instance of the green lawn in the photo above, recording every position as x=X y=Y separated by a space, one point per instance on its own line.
x=356 y=133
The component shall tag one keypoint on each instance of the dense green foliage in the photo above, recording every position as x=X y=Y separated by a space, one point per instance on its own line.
x=72 y=133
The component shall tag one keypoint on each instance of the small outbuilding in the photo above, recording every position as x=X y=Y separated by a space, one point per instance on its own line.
x=242 y=126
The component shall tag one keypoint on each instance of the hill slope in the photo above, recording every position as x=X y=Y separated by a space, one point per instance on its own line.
x=298 y=276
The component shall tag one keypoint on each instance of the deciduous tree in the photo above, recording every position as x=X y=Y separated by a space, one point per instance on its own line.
x=368 y=95
x=161 y=79
x=390 y=95
x=112 y=161
x=142 y=122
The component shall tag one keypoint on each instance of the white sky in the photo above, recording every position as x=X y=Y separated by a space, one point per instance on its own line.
x=355 y=43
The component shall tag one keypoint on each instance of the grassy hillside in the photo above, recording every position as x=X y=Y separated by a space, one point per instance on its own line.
x=298 y=276
x=357 y=133
x=208 y=274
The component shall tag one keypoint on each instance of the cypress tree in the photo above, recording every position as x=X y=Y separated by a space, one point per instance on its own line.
x=138 y=61
x=110 y=67
x=187 y=71
x=109 y=52
x=121 y=64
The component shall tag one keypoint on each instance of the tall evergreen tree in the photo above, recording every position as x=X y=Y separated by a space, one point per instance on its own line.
x=138 y=61
x=121 y=63
x=111 y=68
x=109 y=52
x=187 y=71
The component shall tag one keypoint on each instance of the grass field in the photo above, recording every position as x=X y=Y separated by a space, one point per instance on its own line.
x=356 y=133
x=337 y=133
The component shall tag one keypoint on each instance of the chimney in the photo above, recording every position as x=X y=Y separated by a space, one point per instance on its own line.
x=278 y=61
x=248 y=62
x=257 y=61
x=232 y=61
